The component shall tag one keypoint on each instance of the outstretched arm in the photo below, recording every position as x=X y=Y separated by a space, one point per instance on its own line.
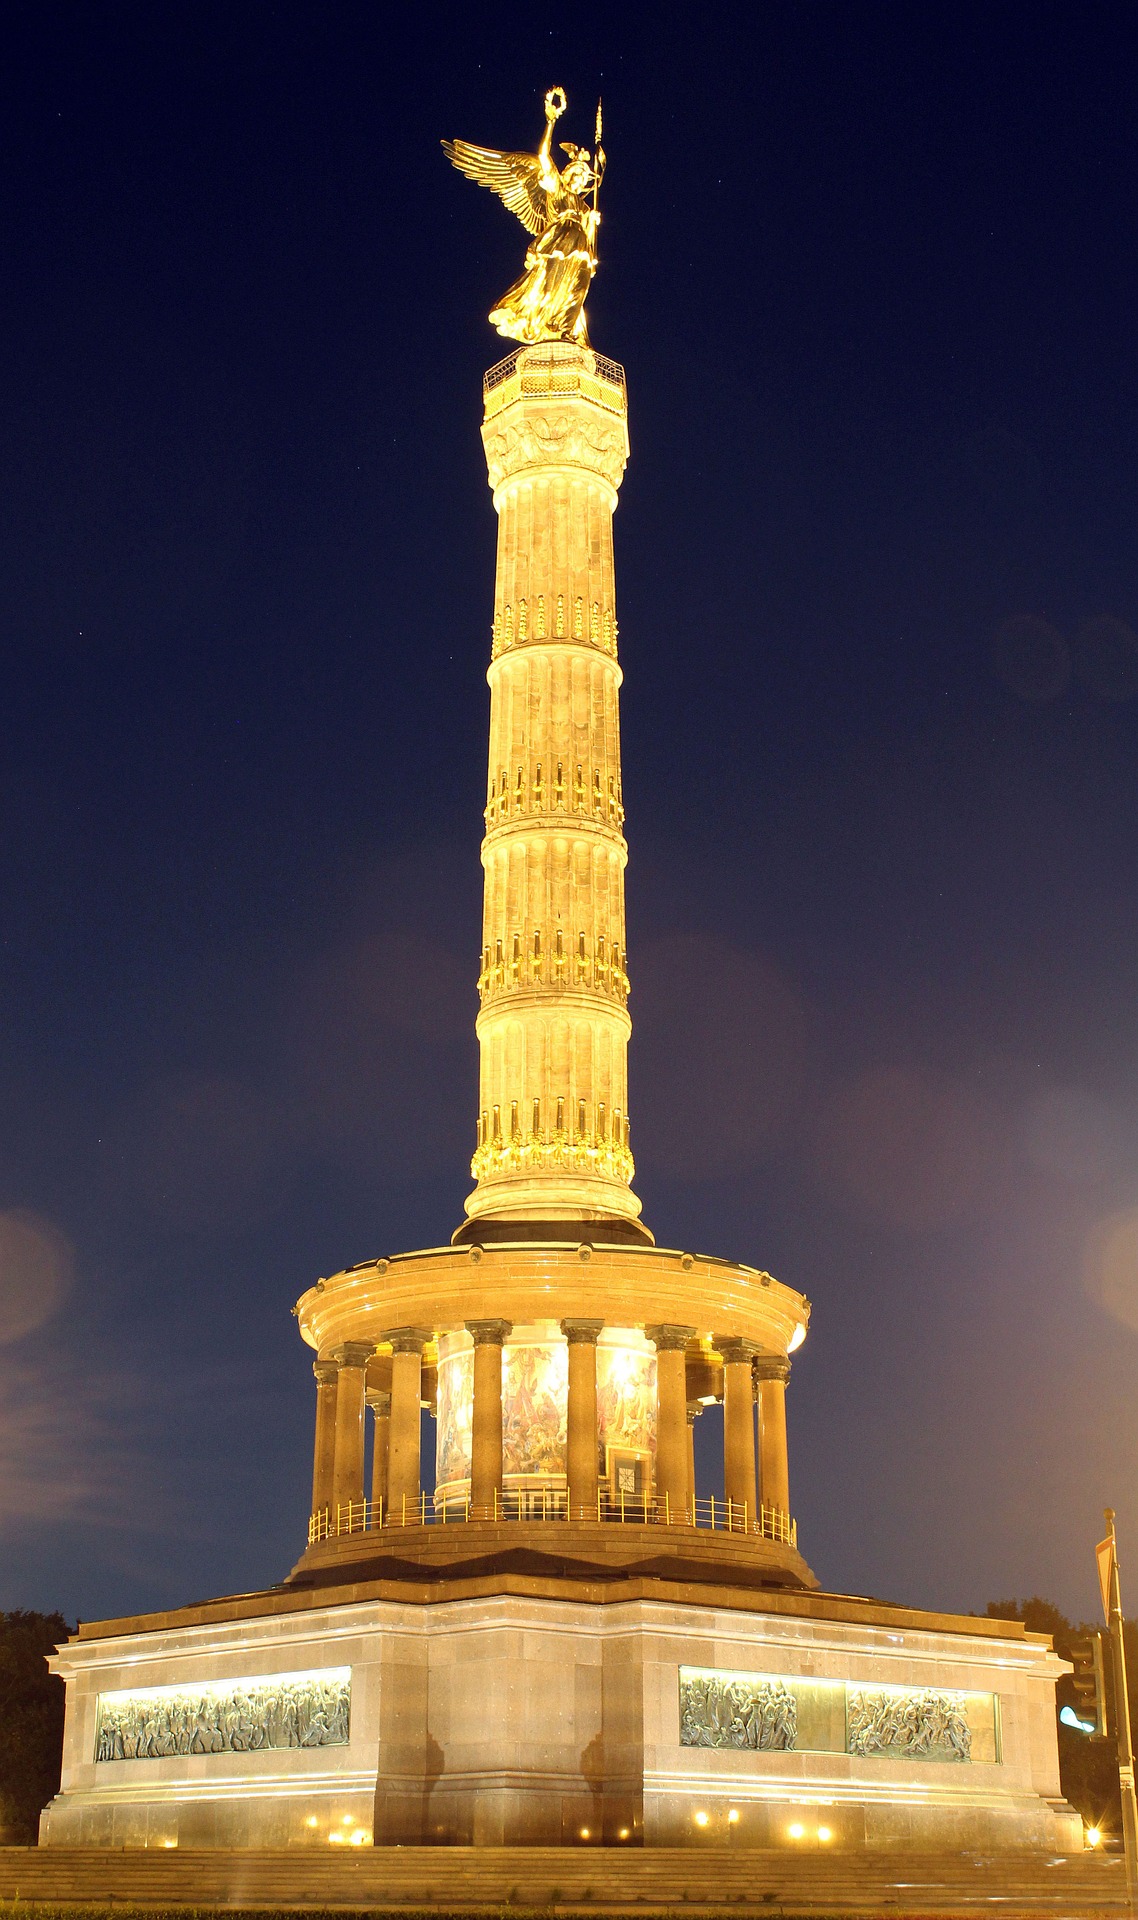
x=555 y=104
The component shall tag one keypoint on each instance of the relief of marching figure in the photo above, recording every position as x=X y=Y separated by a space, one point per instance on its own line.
x=251 y=1717
x=924 y=1725
x=758 y=1714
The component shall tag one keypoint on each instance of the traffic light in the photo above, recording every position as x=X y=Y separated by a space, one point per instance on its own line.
x=1089 y=1684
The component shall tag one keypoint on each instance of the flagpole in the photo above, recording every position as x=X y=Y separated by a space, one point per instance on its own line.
x=1122 y=1716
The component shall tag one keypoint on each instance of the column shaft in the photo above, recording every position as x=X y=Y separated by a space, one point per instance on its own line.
x=407 y=1345
x=671 y=1420
x=693 y=1416
x=486 y=1422
x=348 y=1458
x=771 y=1377
x=324 y=1450
x=581 y=1439
x=380 y=1404
x=739 y=1429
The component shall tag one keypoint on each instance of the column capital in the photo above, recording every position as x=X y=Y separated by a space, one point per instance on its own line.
x=667 y=1338
x=408 y=1339
x=327 y=1372
x=353 y=1353
x=693 y=1413
x=735 y=1351
x=771 y=1366
x=489 y=1333
x=582 y=1333
x=379 y=1402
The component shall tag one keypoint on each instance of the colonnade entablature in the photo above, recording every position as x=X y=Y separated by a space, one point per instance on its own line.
x=565 y=1383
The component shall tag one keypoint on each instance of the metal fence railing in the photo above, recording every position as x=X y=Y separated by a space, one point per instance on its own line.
x=548 y=369
x=552 y=1505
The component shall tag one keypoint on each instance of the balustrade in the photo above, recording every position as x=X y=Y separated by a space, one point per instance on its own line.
x=540 y=1506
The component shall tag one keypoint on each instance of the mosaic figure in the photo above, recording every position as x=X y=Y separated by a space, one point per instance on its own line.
x=626 y=1398
x=535 y=1392
x=455 y=1411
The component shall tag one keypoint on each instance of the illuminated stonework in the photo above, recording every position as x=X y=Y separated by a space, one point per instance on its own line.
x=558 y=1151
x=515 y=1649
x=553 y=1133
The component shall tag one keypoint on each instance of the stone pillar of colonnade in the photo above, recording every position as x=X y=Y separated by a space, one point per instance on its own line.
x=771 y=1373
x=348 y=1456
x=489 y=1337
x=581 y=1438
x=327 y=1374
x=407 y=1345
x=739 y=1428
x=693 y=1416
x=672 y=1482
x=380 y=1404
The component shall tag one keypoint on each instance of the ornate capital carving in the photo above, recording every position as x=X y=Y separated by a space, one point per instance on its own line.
x=528 y=436
x=560 y=1151
x=380 y=1404
x=408 y=1339
x=771 y=1366
x=735 y=1352
x=489 y=1333
x=354 y=1353
x=670 y=1339
x=327 y=1372
x=582 y=1333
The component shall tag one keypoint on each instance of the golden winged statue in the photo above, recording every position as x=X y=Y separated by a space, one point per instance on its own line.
x=559 y=207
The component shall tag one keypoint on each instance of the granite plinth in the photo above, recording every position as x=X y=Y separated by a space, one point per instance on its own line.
x=521 y=1710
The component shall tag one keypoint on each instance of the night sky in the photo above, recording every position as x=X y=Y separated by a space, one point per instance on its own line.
x=872 y=272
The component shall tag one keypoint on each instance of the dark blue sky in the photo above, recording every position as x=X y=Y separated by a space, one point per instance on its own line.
x=872 y=273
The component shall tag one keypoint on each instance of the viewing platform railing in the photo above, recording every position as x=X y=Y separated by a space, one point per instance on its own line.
x=551 y=1505
x=606 y=369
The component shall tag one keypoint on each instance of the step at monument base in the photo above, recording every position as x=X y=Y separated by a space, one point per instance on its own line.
x=601 y=1879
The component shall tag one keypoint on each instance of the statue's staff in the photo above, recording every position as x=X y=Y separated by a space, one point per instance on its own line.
x=598 y=158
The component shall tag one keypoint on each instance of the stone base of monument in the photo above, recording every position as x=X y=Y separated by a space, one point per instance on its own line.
x=586 y=1879
x=514 y=1708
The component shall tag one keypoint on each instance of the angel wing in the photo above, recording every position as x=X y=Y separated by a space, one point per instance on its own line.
x=514 y=177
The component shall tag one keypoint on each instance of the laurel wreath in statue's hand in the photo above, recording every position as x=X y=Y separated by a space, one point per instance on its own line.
x=555 y=104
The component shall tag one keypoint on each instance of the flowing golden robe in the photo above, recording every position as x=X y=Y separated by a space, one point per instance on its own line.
x=547 y=302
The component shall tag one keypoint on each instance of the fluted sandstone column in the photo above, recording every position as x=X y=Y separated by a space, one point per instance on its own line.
x=771 y=1375
x=581 y=1438
x=739 y=1428
x=380 y=1404
x=407 y=1345
x=553 y=1136
x=327 y=1374
x=671 y=1419
x=693 y=1416
x=348 y=1459
x=486 y=1423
